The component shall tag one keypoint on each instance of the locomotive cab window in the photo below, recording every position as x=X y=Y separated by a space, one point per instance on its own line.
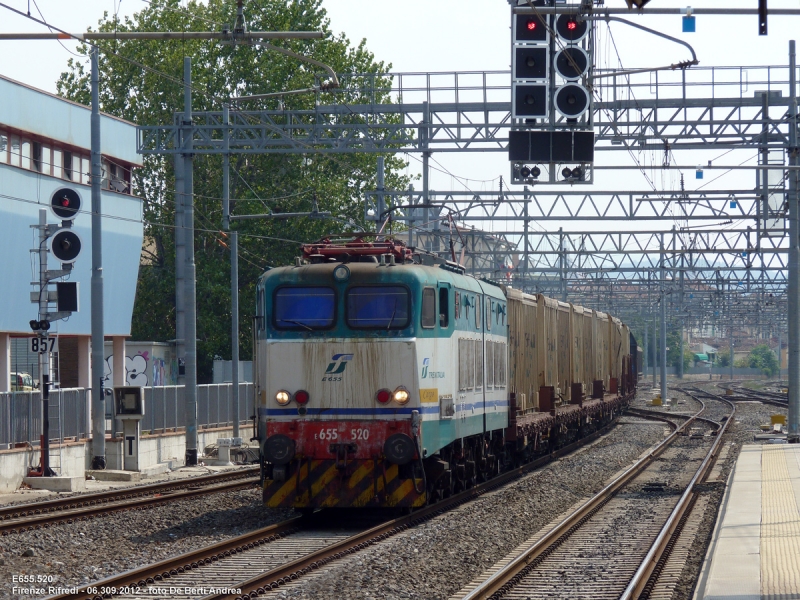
x=428 y=307
x=304 y=308
x=378 y=307
x=444 y=307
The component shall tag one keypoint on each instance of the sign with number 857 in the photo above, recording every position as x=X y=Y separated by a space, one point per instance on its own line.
x=42 y=345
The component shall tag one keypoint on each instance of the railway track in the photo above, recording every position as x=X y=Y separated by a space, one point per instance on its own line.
x=615 y=545
x=35 y=515
x=239 y=568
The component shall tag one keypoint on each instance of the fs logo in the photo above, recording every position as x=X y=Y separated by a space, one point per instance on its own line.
x=425 y=363
x=337 y=367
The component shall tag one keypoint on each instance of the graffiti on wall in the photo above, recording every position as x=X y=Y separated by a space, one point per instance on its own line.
x=136 y=372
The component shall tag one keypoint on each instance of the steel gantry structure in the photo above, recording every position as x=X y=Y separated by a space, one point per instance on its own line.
x=701 y=256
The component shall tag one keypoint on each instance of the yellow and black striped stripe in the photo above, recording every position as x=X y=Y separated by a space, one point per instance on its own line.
x=320 y=483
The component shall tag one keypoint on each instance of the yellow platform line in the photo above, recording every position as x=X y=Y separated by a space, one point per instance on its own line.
x=780 y=527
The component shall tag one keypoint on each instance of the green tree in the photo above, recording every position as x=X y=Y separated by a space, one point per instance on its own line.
x=141 y=81
x=674 y=351
x=761 y=357
x=723 y=358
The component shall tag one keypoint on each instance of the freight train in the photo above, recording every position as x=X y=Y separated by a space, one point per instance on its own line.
x=388 y=377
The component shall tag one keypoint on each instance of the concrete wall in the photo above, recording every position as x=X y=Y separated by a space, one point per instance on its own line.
x=15 y=463
x=76 y=456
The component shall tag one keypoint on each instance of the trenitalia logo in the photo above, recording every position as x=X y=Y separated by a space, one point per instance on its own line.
x=339 y=364
x=426 y=362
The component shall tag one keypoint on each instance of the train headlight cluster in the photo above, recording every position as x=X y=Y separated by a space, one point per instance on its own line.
x=301 y=396
x=282 y=397
x=401 y=395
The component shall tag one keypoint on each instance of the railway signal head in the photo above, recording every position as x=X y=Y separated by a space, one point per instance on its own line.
x=65 y=203
x=65 y=245
x=570 y=29
x=530 y=29
x=572 y=100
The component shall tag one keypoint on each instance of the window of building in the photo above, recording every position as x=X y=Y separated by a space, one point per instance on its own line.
x=86 y=171
x=120 y=177
x=25 y=154
x=304 y=308
x=377 y=307
x=47 y=160
x=104 y=173
x=14 y=151
x=428 y=307
x=68 y=172
x=36 y=156
x=42 y=157
x=57 y=161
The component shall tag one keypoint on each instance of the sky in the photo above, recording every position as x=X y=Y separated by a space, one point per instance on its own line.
x=464 y=35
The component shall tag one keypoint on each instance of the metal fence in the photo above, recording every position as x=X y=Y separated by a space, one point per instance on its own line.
x=21 y=412
x=164 y=406
x=21 y=416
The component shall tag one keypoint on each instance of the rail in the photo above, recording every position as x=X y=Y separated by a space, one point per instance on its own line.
x=640 y=579
x=505 y=578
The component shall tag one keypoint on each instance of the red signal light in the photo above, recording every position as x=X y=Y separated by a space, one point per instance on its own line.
x=383 y=396
x=65 y=201
x=531 y=25
x=572 y=25
x=301 y=396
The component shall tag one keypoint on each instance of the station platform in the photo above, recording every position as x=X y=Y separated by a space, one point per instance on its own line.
x=755 y=550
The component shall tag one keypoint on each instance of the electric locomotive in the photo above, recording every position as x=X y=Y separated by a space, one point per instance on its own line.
x=380 y=377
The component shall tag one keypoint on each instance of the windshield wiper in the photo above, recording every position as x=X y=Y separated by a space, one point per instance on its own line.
x=297 y=323
x=391 y=319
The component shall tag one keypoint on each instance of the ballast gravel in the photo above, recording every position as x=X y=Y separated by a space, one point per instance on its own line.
x=437 y=558
x=74 y=554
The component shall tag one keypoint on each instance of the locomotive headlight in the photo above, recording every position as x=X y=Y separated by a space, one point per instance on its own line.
x=401 y=395
x=341 y=273
x=282 y=397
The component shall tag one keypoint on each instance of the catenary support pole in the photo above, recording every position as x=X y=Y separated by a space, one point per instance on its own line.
x=663 y=337
x=794 y=259
x=645 y=366
x=98 y=360
x=655 y=349
x=44 y=357
x=234 y=247
x=180 y=263
x=681 y=318
x=191 y=282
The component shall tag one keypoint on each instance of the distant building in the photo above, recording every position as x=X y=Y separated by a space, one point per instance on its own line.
x=45 y=144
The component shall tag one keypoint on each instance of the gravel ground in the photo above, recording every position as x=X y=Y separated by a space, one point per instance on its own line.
x=437 y=558
x=82 y=552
